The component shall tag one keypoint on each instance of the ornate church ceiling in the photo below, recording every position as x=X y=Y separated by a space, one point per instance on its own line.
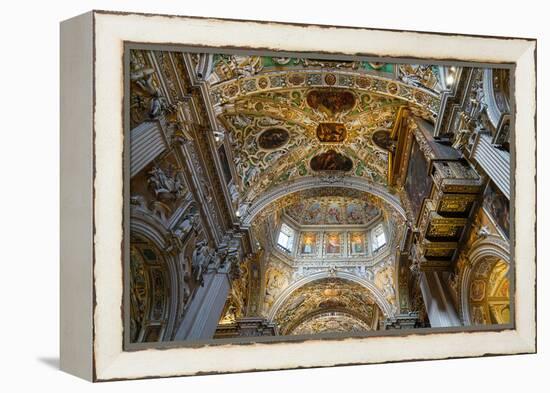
x=332 y=322
x=292 y=164
x=321 y=296
x=490 y=292
x=288 y=118
x=332 y=211
x=284 y=120
x=293 y=202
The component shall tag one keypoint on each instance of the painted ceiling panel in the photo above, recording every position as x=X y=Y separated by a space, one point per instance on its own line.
x=330 y=294
x=332 y=211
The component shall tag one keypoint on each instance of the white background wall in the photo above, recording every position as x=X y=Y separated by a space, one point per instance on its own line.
x=29 y=196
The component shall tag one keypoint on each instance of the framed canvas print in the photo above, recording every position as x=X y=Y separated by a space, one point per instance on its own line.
x=241 y=195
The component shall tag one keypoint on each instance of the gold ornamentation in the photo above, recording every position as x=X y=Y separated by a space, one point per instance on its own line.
x=330 y=79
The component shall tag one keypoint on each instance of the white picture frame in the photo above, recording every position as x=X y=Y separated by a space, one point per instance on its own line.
x=92 y=195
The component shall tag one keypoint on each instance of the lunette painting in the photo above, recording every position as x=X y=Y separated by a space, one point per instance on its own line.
x=282 y=197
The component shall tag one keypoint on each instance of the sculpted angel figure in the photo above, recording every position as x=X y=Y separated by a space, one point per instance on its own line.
x=389 y=290
x=186 y=226
x=200 y=260
x=143 y=77
x=461 y=138
x=165 y=186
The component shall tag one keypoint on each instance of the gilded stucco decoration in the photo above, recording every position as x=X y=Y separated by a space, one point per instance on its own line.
x=480 y=280
x=277 y=277
x=490 y=293
x=384 y=280
x=149 y=292
x=325 y=295
x=333 y=210
x=327 y=184
x=238 y=299
x=329 y=117
x=355 y=207
x=331 y=322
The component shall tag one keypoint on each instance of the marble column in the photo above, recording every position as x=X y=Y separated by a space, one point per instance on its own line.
x=438 y=300
x=494 y=161
x=204 y=312
x=146 y=142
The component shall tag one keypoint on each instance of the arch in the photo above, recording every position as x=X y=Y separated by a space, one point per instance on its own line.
x=494 y=112
x=232 y=89
x=378 y=297
x=151 y=230
x=492 y=246
x=365 y=325
x=310 y=182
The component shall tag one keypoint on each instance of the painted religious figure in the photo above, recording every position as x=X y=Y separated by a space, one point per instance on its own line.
x=354 y=215
x=418 y=183
x=381 y=138
x=313 y=214
x=273 y=138
x=334 y=215
x=333 y=243
x=331 y=132
x=331 y=161
x=296 y=210
x=498 y=206
x=330 y=102
x=371 y=212
x=477 y=292
x=357 y=243
x=308 y=245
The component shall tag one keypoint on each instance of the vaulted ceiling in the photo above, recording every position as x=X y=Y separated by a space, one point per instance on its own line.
x=335 y=210
x=288 y=118
x=327 y=295
x=283 y=120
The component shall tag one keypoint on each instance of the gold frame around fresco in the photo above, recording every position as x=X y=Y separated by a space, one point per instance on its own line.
x=92 y=53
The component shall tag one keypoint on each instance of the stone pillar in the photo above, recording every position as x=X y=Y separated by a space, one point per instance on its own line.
x=438 y=300
x=146 y=142
x=204 y=312
x=494 y=161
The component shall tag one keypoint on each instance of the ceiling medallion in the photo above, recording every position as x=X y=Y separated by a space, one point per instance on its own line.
x=263 y=83
x=363 y=83
x=330 y=79
x=296 y=79
x=231 y=91
x=331 y=132
x=331 y=101
x=331 y=161
x=273 y=138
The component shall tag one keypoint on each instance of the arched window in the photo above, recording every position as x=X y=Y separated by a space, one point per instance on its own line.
x=286 y=237
x=378 y=238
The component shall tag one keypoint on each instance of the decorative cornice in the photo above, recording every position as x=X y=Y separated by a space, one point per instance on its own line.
x=234 y=89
